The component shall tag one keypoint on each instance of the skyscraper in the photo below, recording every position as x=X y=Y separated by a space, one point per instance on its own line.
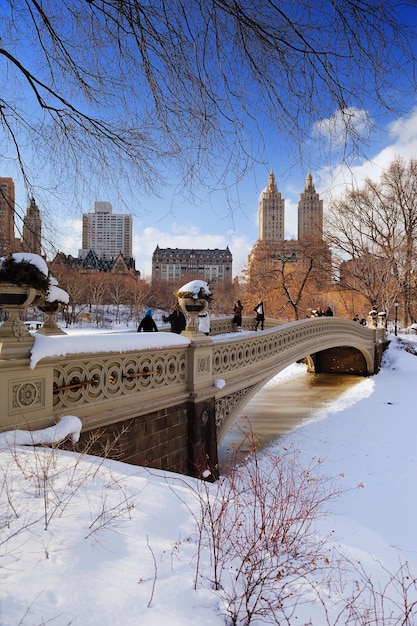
x=310 y=213
x=271 y=241
x=271 y=211
x=32 y=229
x=108 y=234
x=7 y=200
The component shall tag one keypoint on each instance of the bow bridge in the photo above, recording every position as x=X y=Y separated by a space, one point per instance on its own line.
x=170 y=406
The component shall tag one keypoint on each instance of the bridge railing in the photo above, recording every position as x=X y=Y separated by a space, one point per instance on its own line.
x=99 y=388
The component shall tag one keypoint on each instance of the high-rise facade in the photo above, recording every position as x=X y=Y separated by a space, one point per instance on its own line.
x=108 y=234
x=310 y=213
x=7 y=212
x=32 y=229
x=271 y=213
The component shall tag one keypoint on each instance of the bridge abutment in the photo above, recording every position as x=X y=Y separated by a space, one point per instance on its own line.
x=158 y=440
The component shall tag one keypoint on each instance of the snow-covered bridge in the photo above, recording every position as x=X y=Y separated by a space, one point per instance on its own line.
x=165 y=400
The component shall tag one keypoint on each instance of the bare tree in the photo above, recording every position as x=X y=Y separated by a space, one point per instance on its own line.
x=96 y=290
x=74 y=284
x=289 y=277
x=128 y=90
x=119 y=290
x=140 y=297
x=375 y=230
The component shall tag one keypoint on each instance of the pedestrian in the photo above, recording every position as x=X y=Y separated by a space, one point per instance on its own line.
x=356 y=318
x=260 y=315
x=237 y=311
x=204 y=323
x=328 y=312
x=176 y=319
x=148 y=325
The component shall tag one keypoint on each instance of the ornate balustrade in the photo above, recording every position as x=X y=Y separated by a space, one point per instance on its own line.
x=305 y=335
x=100 y=388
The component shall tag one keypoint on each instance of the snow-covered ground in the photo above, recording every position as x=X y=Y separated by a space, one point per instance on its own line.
x=92 y=542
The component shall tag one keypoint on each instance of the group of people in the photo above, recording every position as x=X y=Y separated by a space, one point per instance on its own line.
x=361 y=320
x=237 y=315
x=319 y=312
x=177 y=320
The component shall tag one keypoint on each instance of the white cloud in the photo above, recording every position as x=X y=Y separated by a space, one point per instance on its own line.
x=400 y=140
x=71 y=236
x=345 y=122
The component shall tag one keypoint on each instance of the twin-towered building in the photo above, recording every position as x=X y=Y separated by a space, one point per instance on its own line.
x=171 y=264
x=271 y=213
x=309 y=249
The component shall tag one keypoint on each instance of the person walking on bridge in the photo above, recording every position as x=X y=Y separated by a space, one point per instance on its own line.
x=176 y=319
x=204 y=323
x=260 y=315
x=148 y=325
x=237 y=311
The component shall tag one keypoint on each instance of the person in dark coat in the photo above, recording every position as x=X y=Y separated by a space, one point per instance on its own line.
x=260 y=315
x=237 y=311
x=148 y=325
x=176 y=319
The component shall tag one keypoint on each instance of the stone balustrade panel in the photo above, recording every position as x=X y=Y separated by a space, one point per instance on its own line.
x=97 y=378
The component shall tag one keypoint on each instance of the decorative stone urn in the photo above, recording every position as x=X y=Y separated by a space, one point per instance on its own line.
x=373 y=318
x=15 y=339
x=382 y=319
x=50 y=327
x=13 y=300
x=192 y=309
x=193 y=299
x=23 y=281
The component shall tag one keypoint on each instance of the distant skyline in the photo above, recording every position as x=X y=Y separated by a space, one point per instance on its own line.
x=230 y=217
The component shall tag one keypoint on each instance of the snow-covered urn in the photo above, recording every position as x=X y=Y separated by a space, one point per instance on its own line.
x=382 y=319
x=51 y=303
x=373 y=318
x=193 y=298
x=23 y=282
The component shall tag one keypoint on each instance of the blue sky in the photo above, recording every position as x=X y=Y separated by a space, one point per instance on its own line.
x=229 y=217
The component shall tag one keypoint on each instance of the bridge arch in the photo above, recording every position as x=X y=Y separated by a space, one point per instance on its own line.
x=333 y=345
